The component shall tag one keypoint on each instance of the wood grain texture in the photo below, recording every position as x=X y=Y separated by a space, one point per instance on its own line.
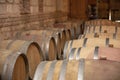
x=91 y=42
x=44 y=39
x=89 y=53
x=100 y=35
x=72 y=69
x=13 y=65
x=29 y=48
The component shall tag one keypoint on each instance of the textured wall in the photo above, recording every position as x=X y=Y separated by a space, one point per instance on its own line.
x=18 y=15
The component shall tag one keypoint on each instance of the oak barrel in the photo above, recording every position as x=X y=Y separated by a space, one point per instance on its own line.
x=78 y=27
x=102 y=29
x=102 y=22
x=91 y=42
x=100 y=35
x=62 y=32
x=30 y=48
x=66 y=26
x=45 y=41
x=93 y=53
x=78 y=70
x=56 y=34
x=13 y=65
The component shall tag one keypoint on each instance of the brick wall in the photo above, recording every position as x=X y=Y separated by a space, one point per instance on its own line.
x=17 y=15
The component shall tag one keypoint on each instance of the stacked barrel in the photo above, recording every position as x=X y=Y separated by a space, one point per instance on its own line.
x=95 y=55
x=64 y=51
x=98 y=41
x=21 y=54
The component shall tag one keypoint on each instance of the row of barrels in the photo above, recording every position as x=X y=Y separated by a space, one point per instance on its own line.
x=86 y=58
x=101 y=56
x=101 y=22
x=95 y=45
x=20 y=56
x=26 y=57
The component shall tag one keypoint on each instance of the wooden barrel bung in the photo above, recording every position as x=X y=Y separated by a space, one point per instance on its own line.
x=13 y=65
x=93 y=53
x=78 y=70
x=29 y=48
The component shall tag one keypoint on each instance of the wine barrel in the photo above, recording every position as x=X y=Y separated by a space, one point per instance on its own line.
x=30 y=48
x=67 y=26
x=100 y=35
x=78 y=27
x=49 y=33
x=102 y=29
x=102 y=22
x=63 y=32
x=74 y=28
x=93 y=53
x=78 y=70
x=68 y=35
x=13 y=65
x=68 y=30
x=45 y=41
x=91 y=42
